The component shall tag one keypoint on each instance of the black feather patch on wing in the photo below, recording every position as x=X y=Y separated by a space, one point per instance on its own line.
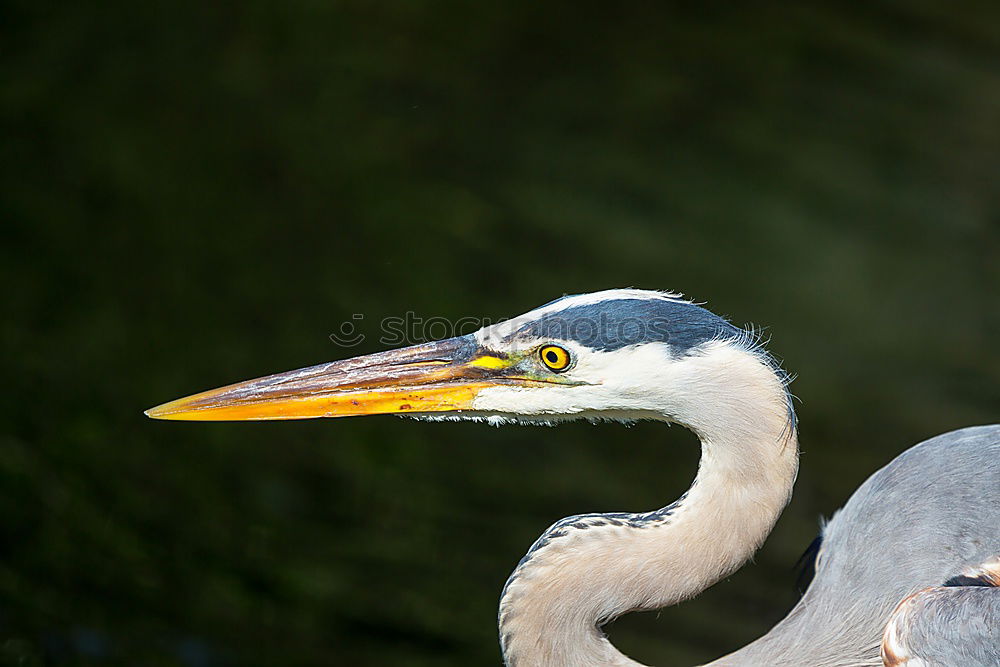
x=806 y=565
x=962 y=580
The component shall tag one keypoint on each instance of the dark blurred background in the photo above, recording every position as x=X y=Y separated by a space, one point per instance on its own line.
x=195 y=193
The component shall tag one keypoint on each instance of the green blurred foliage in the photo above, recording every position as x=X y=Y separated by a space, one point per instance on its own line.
x=194 y=193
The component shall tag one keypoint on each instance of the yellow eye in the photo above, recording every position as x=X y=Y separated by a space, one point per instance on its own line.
x=554 y=357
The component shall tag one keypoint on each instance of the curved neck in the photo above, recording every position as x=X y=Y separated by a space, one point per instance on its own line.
x=586 y=570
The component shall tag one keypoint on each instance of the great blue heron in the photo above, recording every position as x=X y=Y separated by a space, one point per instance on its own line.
x=909 y=565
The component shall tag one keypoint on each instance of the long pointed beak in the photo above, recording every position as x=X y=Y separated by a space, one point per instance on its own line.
x=443 y=376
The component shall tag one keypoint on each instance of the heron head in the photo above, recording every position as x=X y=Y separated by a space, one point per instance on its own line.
x=617 y=354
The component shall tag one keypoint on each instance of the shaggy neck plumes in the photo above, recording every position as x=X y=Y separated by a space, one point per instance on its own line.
x=586 y=570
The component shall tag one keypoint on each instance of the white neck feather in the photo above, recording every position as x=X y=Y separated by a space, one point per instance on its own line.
x=587 y=570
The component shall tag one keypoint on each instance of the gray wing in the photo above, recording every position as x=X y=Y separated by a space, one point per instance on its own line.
x=948 y=626
x=929 y=514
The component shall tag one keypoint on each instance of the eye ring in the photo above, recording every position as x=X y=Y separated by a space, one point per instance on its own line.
x=555 y=358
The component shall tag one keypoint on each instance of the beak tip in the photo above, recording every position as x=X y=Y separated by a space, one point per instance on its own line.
x=160 y=411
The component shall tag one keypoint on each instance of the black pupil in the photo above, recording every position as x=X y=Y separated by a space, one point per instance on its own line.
x=552 y=356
